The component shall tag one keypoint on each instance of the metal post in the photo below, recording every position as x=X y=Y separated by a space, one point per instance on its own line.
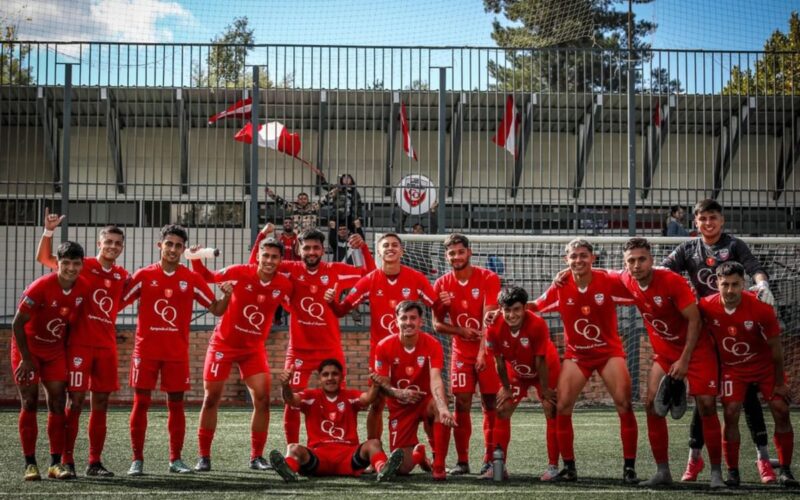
x=631 y=129
x=440 y=215
x=254 y=160
x=65 y=150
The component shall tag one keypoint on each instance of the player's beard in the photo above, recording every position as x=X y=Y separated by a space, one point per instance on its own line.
x=311 y=261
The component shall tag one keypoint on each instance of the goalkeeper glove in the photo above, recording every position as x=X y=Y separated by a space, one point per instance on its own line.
x=763 y=293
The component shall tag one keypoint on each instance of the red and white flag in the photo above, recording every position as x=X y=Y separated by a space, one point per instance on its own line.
x=407 y=147
x=241 y=109
x=506 y=136
x=273 y=135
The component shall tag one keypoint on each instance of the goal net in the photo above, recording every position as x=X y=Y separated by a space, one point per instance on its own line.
x=532 y=261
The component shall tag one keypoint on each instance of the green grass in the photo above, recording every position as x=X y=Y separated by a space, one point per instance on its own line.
x=597 y=448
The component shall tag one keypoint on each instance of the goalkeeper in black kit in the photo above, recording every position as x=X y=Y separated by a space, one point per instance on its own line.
x=699 y=258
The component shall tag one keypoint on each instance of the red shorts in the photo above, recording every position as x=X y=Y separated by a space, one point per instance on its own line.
x=92 y=368
x=735 y=384
x=174 y=375
x=404 y=422
x=464 y=376
x=306 y=363
x=520 y=386
x=219 y=362
x=336 y=460
x=50 y=367
x=594 y=364
x=702 y=379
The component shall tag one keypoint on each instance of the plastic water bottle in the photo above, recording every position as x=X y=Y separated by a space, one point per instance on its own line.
x=498 y=464
x=201 y=253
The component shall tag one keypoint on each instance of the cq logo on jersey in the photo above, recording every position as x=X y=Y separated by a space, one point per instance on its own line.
x=659 y=326
x=312 y=308
x=330 y=429
x=167 y=313
x=524 y=371
x=254 y=316
x=588 y=330
x=464 y=321
x=389 y=323
x=707 y=277
x=404 y=383
x=739 y=349
x=103 y=301
x=56 y=327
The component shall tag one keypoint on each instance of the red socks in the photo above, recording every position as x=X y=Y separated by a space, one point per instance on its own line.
x=176 y=425
x=784 y=443
x=204 y=439
x=712 y=435
x=55 y=433
x=731 y=450
x=138 y=424
x=291 y=424
x=72 y=419
x=566 y=436
x=502 y=435
x=292 y=463
x=489 y=417
x=441 y=441
x=629 y=433
x=552 y=441
x=28 y=432
x=659 y=438
x=462 y=433
x=378 y=460
x=257 y=442
x=97 y=434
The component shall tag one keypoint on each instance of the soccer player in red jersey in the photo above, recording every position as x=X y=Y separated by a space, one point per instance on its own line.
x=314 y=333
x=385 y=287
x=92 y=344
x=413 y=360
x=586 y=303
x=48 y=308
x=525 y=357
x=747 y=334
x=239 y=338
x=166 y=292
x=669 y=310
x=472 y=291
x=333 y=447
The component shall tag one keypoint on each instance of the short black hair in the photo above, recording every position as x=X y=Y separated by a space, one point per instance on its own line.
x=330 y=362
x=70 y=250
x=271 y=243
x=312 y=234
x=674 y=208
x=707 y=205
x=637 y=242
x=455 y=239
x=391 y=235
x=111 y=229
x=729 y=268
x=511 y=295
x=174 y=229
x=407 y=305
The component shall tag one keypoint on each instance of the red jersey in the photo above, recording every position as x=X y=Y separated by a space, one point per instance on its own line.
x=661 y=304
x=96 y=326
x=408 y=369
x=385 y=293
x=289 y=242
x=468 y=302
x=589 y=316
x=742 y=335
x=53 y=312
x=331 y=421
x=248 y=318
x=165 y=310
x=520 y=349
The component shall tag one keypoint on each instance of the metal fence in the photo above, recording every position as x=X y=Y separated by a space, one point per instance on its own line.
x=604 y=142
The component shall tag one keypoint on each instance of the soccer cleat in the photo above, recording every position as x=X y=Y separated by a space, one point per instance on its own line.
x=280 y=466
x=32 y=473
x=96 y=469
x=70 y=468
x=178 y=466
x=786 y=479
x=716 y=480
x=369 y=470
x=693 y=469
x=418 y=456
x=203 y=464
x=391 y=466
x=660 y=478
x=136 y=468
x=459 y=469
x=629 y=476
x=439 y=474
x=489 y=474
x=566 y=475
x=663 y=397
x=766 y=471
x=486 y=466
x=678 y=405
x=549 y=474
x=58 y=471
x=259 y=463
x=734 y=479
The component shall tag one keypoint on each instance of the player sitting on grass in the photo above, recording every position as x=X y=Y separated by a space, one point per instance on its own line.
x=333 y=447
x=525 y=357
x=747 y=333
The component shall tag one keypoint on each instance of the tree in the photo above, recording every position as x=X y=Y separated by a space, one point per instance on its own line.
x=661 y=83
x=777 y=71
x=572 y=26
x=227 y=57
x=13 y=56
x=418 y=85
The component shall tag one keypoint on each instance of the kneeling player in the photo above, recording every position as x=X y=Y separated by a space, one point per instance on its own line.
x=332 y=426
x=413 y=360
x=525 y=358
x=748 y=335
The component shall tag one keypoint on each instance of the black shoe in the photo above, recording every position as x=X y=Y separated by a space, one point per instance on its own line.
x=678 y=392
x=566 y=476
x=203 y=464
x=786 y=479
x=663 y=399
x=70 y=468
x=97 y=470
x=259 y=463
x=734 y=479
x=629 y=476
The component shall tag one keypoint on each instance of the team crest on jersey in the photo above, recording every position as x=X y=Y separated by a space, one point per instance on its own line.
x=63 y=311
x=459 y=364
x=658 y=300
x=261 y=298
x=599 y=298
x=218 y=355
x=78 y=301
x=107 y=283
x=406 y=292
x=476 y=292
x=724 y=253
x=340 y=406
x=298 y=363
x=117 y=276
x=420 y=360
x=586 y=310
x=748 y=325
x=137 y=362
x=732 y=330
x=77 y=361
x=275 y=294
x=168 y=292
x=324 y=279
x=409 y=370
x=524 y=342
x=393 y=423
x=183 y=285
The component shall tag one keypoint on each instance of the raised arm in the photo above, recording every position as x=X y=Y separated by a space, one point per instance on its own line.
x=44 y=252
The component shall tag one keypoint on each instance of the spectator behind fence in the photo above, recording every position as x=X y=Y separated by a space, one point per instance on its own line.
x=304 y=213
x=338 y=236
x=345 y=201
x=674 y=223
